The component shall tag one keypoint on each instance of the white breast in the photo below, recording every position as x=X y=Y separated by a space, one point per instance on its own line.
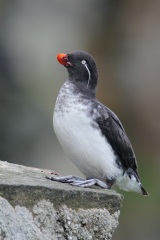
x=83 y=143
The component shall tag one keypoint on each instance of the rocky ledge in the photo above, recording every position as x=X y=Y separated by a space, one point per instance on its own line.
x=33 y=207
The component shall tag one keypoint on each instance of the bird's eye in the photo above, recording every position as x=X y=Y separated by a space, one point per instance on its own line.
x=84 y=62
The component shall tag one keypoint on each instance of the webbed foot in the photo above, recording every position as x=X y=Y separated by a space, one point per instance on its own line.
x=77 y=181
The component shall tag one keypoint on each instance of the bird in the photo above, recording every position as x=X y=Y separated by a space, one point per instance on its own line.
x=90 y=133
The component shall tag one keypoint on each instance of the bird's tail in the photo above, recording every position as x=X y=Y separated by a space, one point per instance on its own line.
x=144 y=192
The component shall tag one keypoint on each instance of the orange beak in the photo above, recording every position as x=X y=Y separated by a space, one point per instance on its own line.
x=63 y=59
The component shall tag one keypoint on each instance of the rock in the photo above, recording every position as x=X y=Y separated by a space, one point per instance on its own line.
x=33 y=207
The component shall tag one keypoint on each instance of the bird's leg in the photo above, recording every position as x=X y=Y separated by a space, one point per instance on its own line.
x=66 y=179
x=77 y=181
x=110 y=182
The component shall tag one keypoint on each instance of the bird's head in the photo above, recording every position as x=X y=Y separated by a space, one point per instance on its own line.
x=81 y=68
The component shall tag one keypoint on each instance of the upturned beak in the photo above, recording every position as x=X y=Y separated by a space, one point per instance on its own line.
x=63 y=59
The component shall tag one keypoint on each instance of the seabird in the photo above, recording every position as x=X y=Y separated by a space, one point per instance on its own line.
x=90 y=133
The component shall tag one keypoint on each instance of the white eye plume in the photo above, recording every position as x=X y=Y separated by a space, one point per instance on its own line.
x=83 y=62
x=89 y=74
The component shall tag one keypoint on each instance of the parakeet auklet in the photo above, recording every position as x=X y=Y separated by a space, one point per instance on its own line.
x=90 y=133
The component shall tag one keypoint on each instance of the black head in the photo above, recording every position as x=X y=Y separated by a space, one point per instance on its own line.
x=81 y=68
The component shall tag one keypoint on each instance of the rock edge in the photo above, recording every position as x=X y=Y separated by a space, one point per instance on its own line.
x=32 y=207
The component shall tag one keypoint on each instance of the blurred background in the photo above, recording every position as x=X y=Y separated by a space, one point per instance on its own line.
x=124 y=38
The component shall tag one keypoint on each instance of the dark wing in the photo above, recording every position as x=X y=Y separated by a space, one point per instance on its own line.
x=113 y=130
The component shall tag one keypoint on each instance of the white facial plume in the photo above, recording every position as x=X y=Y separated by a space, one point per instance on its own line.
x=89 y=74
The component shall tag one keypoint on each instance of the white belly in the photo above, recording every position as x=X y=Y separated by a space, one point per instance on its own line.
x=84 y=144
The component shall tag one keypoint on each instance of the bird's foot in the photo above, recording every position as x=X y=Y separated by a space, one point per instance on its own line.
x=66 y=179
x=90 y=182
x=77 y=181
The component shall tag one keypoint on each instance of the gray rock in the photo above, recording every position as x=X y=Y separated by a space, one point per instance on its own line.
x=32 y=207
